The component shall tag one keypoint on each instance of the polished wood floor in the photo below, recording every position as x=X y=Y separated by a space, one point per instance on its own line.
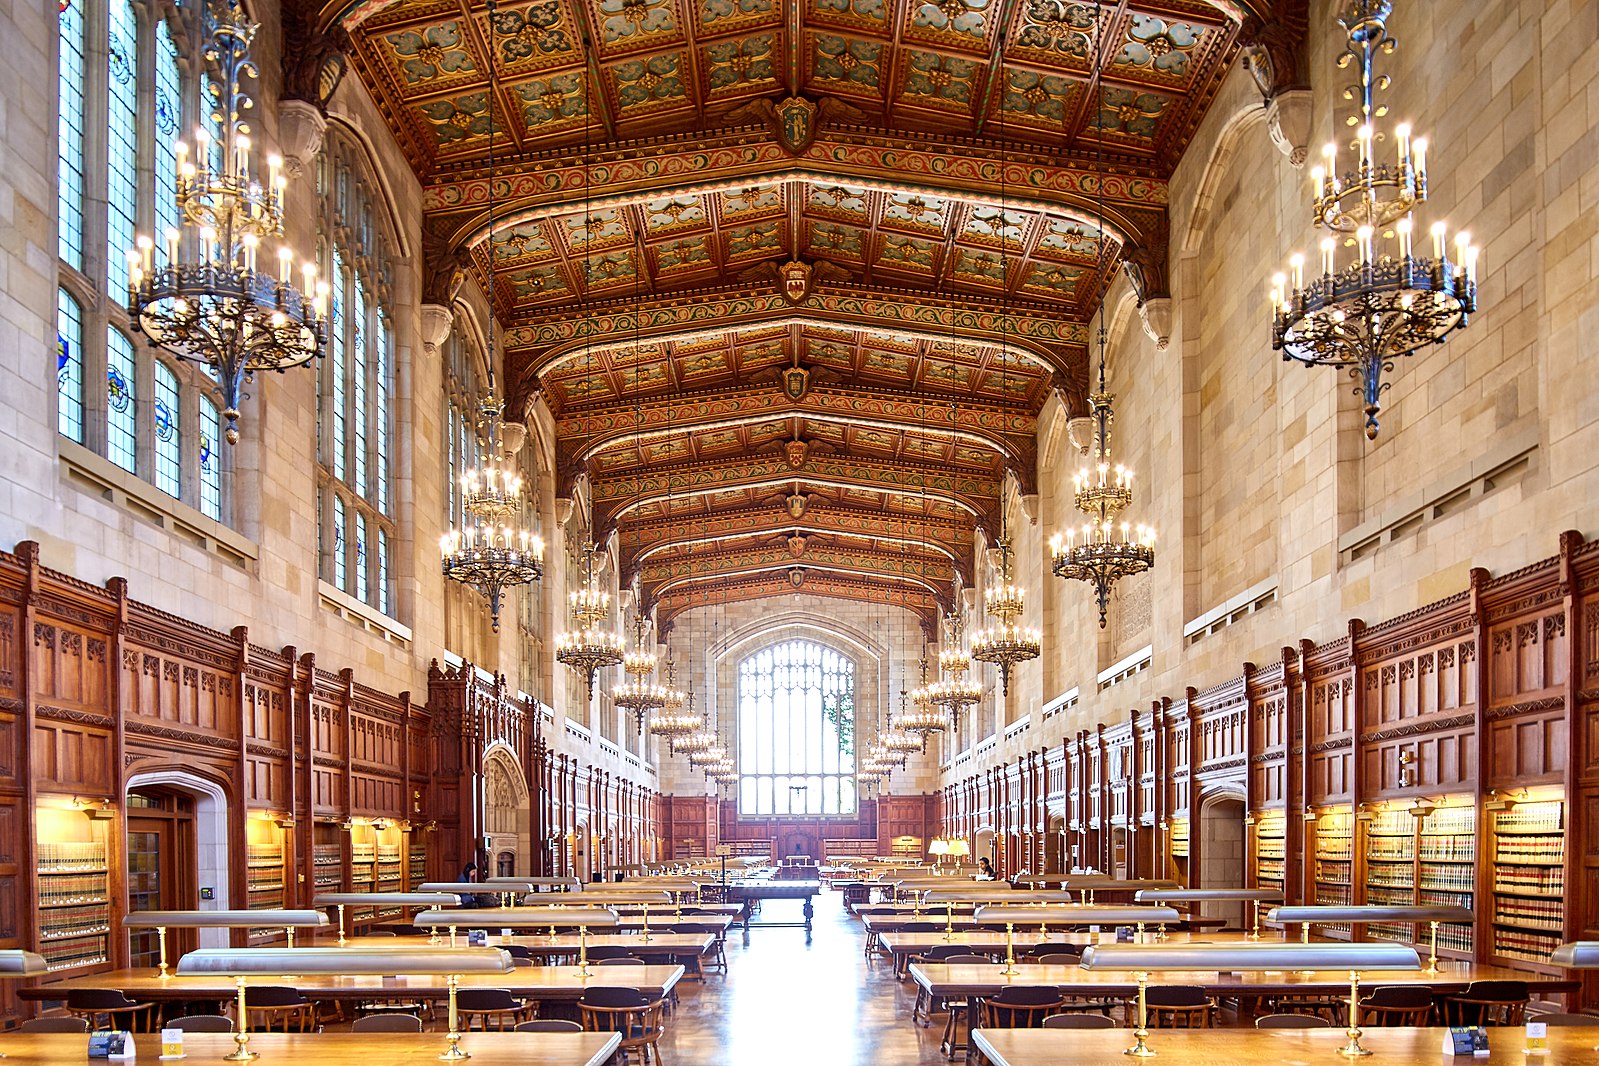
x=786 y=1002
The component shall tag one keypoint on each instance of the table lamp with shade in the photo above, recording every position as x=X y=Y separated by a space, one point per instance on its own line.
x=15 y=965
x=1067 y=914
x=1307 y=916
x=504 y=887
x=584 y=918
x=938 y=847
x=342 y=900
x=161 y=921
x=976 y=893
x=244 y=963
x=1255 y=896
x=1143 y=959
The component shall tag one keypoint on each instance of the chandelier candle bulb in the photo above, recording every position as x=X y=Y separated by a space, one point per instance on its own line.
x=1418 y=154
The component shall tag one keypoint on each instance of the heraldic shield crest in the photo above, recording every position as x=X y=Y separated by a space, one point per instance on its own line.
x=796 y=383
x=796 y=123
x=794 y=277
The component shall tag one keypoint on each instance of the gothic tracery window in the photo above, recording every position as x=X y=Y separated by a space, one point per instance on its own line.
x=355 y=420
x=796 y=717
x=128 y=85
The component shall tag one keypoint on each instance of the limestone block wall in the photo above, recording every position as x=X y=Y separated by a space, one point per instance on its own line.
x=1277 y=518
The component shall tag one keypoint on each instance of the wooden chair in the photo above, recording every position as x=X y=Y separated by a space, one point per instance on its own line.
x=1078 y=1021
x=717 y=957
x=1179 y=1007
x=108 y=1008
x=1488 y=1003
x=202 y=1023
x=629 y=1012
x=278 y=1008
x=1058 y=959
x=1408 y=1005
x=1559 y=1019
x=495 y=1005
x=608 y=952
x=54 y=1025
x=950 y=1043
x=1019 y=1007
x=549 y=1025
x=1292 y=1021
x=921 y=1011
x=387 y=1023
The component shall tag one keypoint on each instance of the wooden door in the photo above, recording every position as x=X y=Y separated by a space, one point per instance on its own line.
x=162 y=870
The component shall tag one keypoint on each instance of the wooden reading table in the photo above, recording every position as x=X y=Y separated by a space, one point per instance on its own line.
x=567 y=945
x=971 y=982
x=333 y=1049
x=551 y=984
x=1225 y=1047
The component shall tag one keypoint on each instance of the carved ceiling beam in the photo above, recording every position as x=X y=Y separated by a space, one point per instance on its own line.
x=907 y=163
x=782 y=553
x=1054 y=344
x=925 y=604
x=644 y=540
x=588 y=431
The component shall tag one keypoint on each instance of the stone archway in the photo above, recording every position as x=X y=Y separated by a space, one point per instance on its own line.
x=507 y=814
x=1221 y=851
x=210 y=837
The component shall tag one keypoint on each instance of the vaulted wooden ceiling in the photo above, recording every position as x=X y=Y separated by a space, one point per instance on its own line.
x=794 y=277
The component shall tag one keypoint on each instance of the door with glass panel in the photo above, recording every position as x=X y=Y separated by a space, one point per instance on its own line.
x=162 y=870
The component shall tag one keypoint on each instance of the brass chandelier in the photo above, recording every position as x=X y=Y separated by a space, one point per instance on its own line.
x=1099 y=552
x=954 y=692
x=589 y=647
x=925 y=717
x=696 y=740
x=1388 y=301
x=674 y=721
x=1005 y=642
x=493 y=551
x=640 y=693
x=207 y=301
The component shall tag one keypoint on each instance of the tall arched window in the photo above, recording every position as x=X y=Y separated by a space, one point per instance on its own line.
x=357 y=381
x=796 y=731
x=129 y=83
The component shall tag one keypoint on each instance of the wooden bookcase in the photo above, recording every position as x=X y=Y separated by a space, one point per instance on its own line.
x=1446 y=869
x=1180 y=845
x=1333 y=829
x=416 y=861
x=74 y=919
x=264 y=872
x=1271 y=835
x=1527 y=876
x=1390 y=867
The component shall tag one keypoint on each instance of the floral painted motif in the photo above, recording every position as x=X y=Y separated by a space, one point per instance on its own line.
x=833 y=239
x=535 y=30
x=538 y=283
x=1131 y=112
x=528 y=240
x=716 y=11
x=551 y=100
x=746 y=62
x=671 y=213
x=645 y=81
x=1057 y=26
x=942 y=77
x=625 y=20
x=751 y=240
x=842 y=60
x=460 y=119
x=431 y=53
x=1044 y=96
x=856 y=11
x=921 y=212
x=965 y=18
x=683 y=254
x=1156 y=44
x=1056 y=279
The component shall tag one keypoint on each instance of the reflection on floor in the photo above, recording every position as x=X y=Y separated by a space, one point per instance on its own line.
x=786 y=1002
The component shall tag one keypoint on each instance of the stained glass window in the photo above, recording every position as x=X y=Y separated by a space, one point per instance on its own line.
x=341 y=571
x=358 y=384
x=122 y=153
x=168 y=126
x=69 y=134
x=210 y=460
x=168 y=436
x=121 y=416
x=69 y=366
x=796 y=731
x=380 y=413
x=336 y=371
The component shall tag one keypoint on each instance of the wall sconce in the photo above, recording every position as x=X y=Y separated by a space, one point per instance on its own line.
x=347 y=825
x=382 y=823
x=100 y=808
x=1422 y=809
x=284 y=821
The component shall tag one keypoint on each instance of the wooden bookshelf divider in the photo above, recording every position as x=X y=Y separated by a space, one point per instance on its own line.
x=74 y=904
x=1528 y=879
x=1271 y=834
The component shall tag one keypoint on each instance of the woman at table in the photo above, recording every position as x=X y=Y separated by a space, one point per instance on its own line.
x=985 y=869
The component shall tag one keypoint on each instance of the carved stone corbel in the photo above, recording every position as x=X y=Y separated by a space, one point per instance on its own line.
x=1156 y=315
x=437 y=321
x=1288 y=122
x=301 y=126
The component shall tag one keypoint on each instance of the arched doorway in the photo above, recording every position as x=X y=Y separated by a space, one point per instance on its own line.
x=506 y=812
x=1221 y=851
x=177 y=851
x=983 y=846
